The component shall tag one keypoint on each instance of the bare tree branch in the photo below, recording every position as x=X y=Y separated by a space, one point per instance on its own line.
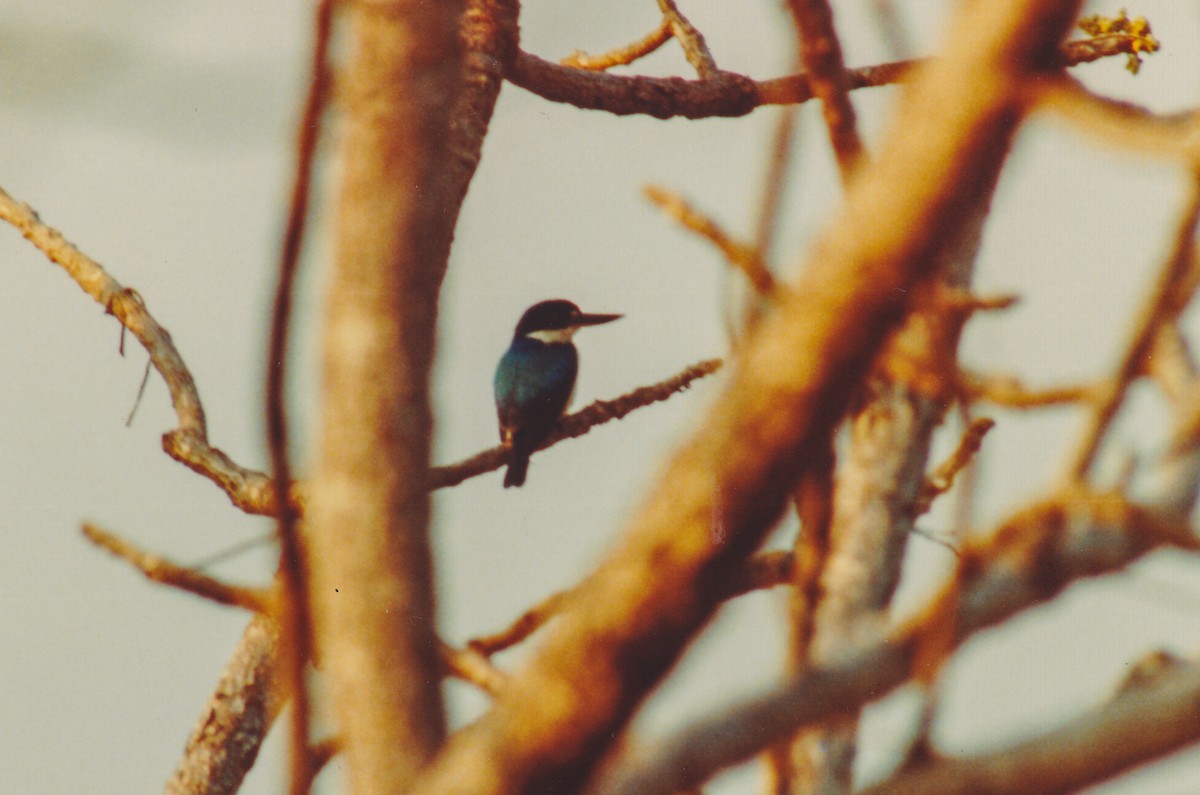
x=163 y=571
x=577 y=424
x=1163 y=305
x=622 y=56
x=1030 y=559
x=729 y=483
x=229 y=733
x=821 y=54
x=695 y=49
x=368 y=519
x=762 y=571
x=725 y=93
x=294 y=615
x=472 y=666
x=746 y=258
x=941 y=479
x=1138 y=727
x=1124 y=124
x=189 y=443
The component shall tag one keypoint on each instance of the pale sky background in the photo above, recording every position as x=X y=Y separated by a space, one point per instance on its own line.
x=157 y=136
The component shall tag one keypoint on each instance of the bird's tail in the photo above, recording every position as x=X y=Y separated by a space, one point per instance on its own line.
x=518 y=464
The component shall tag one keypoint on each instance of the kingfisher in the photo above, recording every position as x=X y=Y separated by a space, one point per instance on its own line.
x=535 y=379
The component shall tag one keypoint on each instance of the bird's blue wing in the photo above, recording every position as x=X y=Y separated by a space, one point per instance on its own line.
x=533 y=385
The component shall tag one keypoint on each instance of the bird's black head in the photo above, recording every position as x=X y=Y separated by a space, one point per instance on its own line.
x=557 y=315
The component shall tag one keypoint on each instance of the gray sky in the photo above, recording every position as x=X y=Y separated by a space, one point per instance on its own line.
x=157 y=137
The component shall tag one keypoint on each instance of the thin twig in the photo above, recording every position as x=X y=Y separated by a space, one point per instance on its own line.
x=740 y=255
x=525 y=625
x=188 y=444
x=821 y=53
x=163 y=571
x=1137 y=727
x=942 y=479
x=766 y=570
x=137 y=401
x=1162 y=306
x=294 y=615
x=621 y=56
x=1008 y=391
x=1126 y=125
x=726 y=93
x=231 y=551
x=470 y=665
x=1029 y=560
x=695 y=49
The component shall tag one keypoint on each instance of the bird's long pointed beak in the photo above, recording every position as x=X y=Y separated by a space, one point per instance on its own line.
x=595 y=320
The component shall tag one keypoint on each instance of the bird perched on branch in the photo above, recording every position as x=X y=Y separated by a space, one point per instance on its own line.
x=536 y=378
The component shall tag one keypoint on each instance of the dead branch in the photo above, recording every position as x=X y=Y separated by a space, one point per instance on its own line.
x=730 y=481
x=725 y=93
x=1027 y=561
x=745 y=258
x=1138 y=727
x=622 y=56
x=1126 y=125
x=761 y=571
x=471 y=666
x=163 y=571
x=576 y=424
x=691 y=40
x=1008 y=391
x=821 y=54
x=294 y=615
x=942 y=479
x=526 y=624
x=228 y=735
x=1162 y=306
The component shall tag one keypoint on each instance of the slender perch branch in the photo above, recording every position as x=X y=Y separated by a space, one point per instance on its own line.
x=577 y=424
x=248 y=489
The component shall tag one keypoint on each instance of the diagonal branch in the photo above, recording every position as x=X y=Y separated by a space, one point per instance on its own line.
x=821 y=54
x=249 y=490
x=695 y=49
x=1029 y=560
x=1170 y=295
x=621 y=56
x=232 y=724
x=1138 y=727
x=163 y=571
